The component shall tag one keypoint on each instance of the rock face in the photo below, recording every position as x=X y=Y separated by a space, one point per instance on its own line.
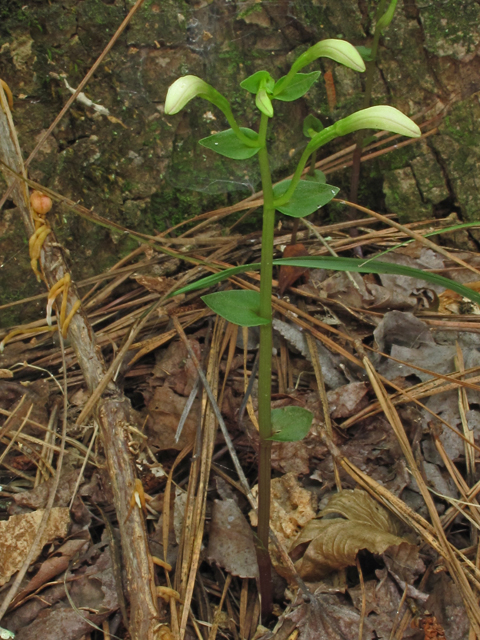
x=117 y=152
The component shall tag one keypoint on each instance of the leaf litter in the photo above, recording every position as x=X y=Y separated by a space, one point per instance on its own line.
x=387 y=570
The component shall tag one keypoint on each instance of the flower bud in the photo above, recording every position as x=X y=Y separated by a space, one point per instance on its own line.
x=338 y=50
x=41 y=203
x=387 y=17
x=183 y=90
x=264 y=104
x=381 y=117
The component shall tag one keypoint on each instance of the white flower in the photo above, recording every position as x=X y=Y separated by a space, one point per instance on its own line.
x=264 y=104
x=338 y=50
x=381 y=117
x=182 y=91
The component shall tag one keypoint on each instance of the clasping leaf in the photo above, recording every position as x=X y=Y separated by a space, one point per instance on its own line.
x=227 y=144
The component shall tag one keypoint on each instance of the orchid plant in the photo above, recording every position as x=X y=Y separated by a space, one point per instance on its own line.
x=295 y=197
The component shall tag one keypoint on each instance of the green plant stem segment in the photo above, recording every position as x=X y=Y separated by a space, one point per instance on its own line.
x=265 y=373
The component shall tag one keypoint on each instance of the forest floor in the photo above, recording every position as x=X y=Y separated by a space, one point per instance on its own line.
x=388 y=365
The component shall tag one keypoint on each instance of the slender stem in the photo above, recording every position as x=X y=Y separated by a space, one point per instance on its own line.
x=222 y=103
x=367 y=98
x=315 y=143
x=265 y=374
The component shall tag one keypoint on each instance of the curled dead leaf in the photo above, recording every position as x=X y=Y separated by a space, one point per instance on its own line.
x=333 y=544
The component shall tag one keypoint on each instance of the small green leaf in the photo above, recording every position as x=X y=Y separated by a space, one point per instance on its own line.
x=307 y=197
x=365 y=52
x=253 y=83
x=240 y=307
x=318 y=176
x=299 y=86
x=311 y=126
x=290 y=424
x=227 y=144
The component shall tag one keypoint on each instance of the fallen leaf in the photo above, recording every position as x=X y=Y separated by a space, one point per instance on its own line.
x=347 y=400
x=333 y=544
x=164 y=410
x=37 y=498
x=18 y=533
x=175 y=366
x=289 y=275
x=54 y=565
x=152 y=283
x=231 y=542
x=292 y=508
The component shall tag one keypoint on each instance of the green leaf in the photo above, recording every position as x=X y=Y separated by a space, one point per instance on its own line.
x=365 y=52
x=355 y=265
x=318 y=176
x=254 y=82
x=227 y=144
x=239 y=306
x=299 y=86
x=311 y=126
x=307 y=197
x=290 y=424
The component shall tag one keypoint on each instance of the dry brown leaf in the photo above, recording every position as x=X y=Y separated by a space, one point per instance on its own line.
x=164 y=411
x=289 y=275
x=152 y=283
x=17 y=535
x=231 y=542
x=347 y=400
x=333 y=544
x=292 y=507
x=357 y=505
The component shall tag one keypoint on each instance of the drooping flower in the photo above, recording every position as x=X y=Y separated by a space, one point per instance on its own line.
x=183 y=90
x=380 y=117
x=338 y=50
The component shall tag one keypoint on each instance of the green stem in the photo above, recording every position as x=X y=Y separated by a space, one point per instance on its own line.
x=265 y=373
x=315 y=143
x=222 y=103
x=367 y=98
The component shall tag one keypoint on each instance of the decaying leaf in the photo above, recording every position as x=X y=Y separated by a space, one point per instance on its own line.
x=231 y=542
x=165 y=409
x=292 y=507
x=17 y=535
x=334 y=543
x=345 y=401
x=289 y=275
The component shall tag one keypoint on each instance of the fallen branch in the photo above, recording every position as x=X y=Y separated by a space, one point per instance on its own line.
x=113 y=412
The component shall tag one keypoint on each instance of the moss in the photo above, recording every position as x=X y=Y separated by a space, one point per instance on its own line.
x=255 y=8
x=451 y=28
